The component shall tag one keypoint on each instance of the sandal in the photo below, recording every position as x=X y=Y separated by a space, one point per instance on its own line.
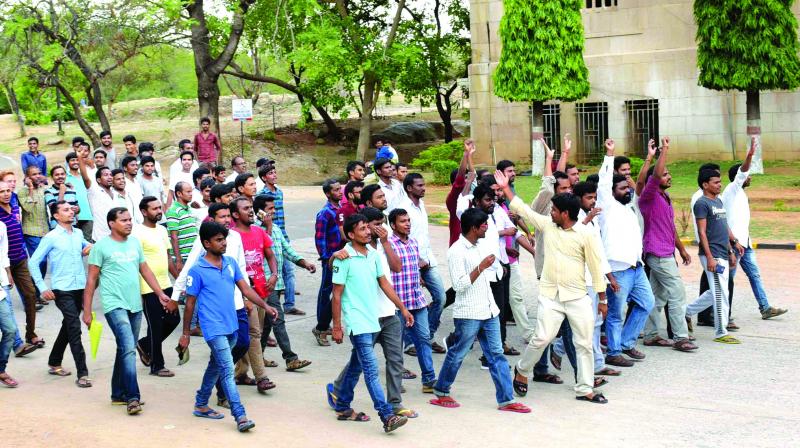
x=519 y=387
x=270 y=363
x=144 y=357
x=548 y=378
x=408 y=375
x=351 y=415
x=244 y=424
x=407 y=413
x=134 y=407
x=7 y=381
x=445 y=402
x=38 y=342
x=727 y=339
x=394 y=422
x=555 y=360
x=658 y=341
x=245 y=380
x=83 y=382
x=510 y=351
x=608 y=371
x=515 y=407
x=599 y=381
x=296 y=364
x=58 y=371
x=208 y=413
x=163 y=373
x=596 y=398
x=265 y=385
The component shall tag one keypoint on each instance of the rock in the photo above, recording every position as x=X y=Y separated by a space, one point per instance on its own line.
x=320 y=141
x=55 y=142
x=461 y=127
x=408 y=132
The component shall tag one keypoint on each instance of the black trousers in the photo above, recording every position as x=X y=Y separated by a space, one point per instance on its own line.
x=500 y=292
x=160 y=324
x=70 y=303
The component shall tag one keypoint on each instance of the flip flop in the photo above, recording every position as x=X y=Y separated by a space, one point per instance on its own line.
x=599 y=381
x=244 y=424
x=596 y=398
x=548 y=378
x=59 y=371
x=407 y=413
x=350 y=415
x=608 y=371
x=515 y=407
x=9 y=382
x=210 y=413
x=445 y=402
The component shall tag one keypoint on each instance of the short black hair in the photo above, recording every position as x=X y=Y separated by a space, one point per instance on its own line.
x=233 y=160
x=260 y=201
x=581 y=189
x=560 y=175
x=33 y=139
x=400 y=164
x=205 y=120
x=593 y=178
x=480 y=173
x=327 y=186
x=617 y=178
x=53 y=207
x=372 y=214
x=234 y=205
x=708 y=166
x=114 y=213
x=116 y=171
x=210 y=229
x=145 y=202
x=481 y=191
x=379 y=163
x=199 y=173
x=183 y=143
x=409 y=180
x=368 y=192
x=503 y=164
x=147 y=146
x=396 y=213
x=77 y=139
x=219 y=169
x=147 y=159
x=351 y=166
x=351 y=222
x=619 y=161
x=99 y=173
x=183 y=153
x=129 y=138
x=216 y=207
x=105 y=134
x=57 y=167
x=84 y=144
x=733 y=170
x=100 y=151
x=128 y=159
x=352 y=185
x=241 y=179
x=70 y=156
x=220 y=190
x=472 y=218
x=179 y=186
x=706 y=176
x=570 y=166
x=207 y=183
x=567 y=202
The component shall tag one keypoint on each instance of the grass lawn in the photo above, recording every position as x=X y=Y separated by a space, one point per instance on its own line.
x=774 y=198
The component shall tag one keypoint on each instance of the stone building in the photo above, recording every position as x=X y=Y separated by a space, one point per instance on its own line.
x=641 y=56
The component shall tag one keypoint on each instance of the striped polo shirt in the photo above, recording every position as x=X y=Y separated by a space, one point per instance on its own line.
x=181 y=220
x=51 y=196
x=16 y=245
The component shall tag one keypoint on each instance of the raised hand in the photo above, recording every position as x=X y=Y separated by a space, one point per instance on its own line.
x=665 y=142
x=610 y=145
x=651 y=149
x=567 y=143
x=549 y=153
x=501 y=179
x=753 y=143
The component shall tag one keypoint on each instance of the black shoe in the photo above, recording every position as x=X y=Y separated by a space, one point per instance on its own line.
x=484 y=363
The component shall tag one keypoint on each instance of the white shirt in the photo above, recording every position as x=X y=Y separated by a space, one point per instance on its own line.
x=133 y=189
x=386 y=307
x=419 y=229
x=259 y=182
x=179 y=176
x=622 y=236
x=394 y=193
x=235 y=250
x=4 y=261
x=177 y=168
x=503 y=222
x=490 y=244
x=737 y=208
x=101 y=202
x=473 y=300
x=594 y=229
x=199 y=213
x=697 y=194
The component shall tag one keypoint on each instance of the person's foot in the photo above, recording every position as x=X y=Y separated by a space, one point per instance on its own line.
x=727 y=339
x=295 y=312
x=427 y=388
x=684 y=345
x=594 y=397
x=24 y=349
x=732 y=326
x=163 y=373
x=143 y=356
x=618 y=361
x=771 y=312
x=83 y=382
x=411 y=351
x=436 y=348
x=555 y=360
x=271 y=342
x=243 y=424
x=484 y=363
x=635 y=354
x=297 y=364
x=134 y=407
x=321 y=337
x=658 y=341
x=408 y=375
x=510 y=351
x=264 y=385
x=394 y=422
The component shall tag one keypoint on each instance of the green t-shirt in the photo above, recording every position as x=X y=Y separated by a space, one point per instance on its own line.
x=360 y=300
x=119 y=273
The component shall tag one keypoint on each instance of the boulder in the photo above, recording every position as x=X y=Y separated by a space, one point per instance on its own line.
x=56 y=141
x=408 y=132
x=461 y=127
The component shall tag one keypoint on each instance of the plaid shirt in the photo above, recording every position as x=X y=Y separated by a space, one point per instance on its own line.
x=283 y=252
x=34 y=214
x=406 y=282
x=327 y=237
x=279 y=217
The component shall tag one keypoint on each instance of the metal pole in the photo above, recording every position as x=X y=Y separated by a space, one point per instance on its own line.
x=241 y=134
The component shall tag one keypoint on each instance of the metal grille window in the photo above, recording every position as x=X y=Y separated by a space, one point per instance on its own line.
x=642 y=124
x=600 y=3
x=552 y=127
x=592 y=121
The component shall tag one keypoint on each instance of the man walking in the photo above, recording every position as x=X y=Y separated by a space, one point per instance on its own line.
x=84 y=215
x=327 y=240
x=101 y=198
x=207 y=144
x=64 y=247
x=35 y=224
x=60 y=191
x=33 y=157
x=133 y=189
x=181 y=224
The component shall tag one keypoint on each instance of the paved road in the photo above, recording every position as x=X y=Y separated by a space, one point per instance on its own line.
x=720 y=396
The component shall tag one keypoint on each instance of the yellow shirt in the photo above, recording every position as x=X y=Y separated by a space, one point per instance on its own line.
x=155 y=243
x=568 y=252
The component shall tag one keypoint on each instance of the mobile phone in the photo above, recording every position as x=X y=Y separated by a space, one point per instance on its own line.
x=719 y=269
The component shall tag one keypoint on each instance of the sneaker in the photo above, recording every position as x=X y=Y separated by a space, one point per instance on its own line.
x=484 y=363
x=635 y=354
x=771 y=312
x=321 y=337
x=618 y=361
x=727 y=339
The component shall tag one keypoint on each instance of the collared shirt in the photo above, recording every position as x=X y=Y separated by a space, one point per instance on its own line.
x=419 y=229
x=359 y=275
x=133 y=190
x=30 y=159
x=4 y=261
x=101 y=201
x=51 y=196
x=454 y=224
x=618 y=223
x=569 y=252
x=279 y=218
x=63 y=251
x=406 y=282
x=207 y=146
x=473 y=300
x=119 y=263
x=155 y=246
x=82 y=196
x=16 y=243
x=490 y=243
x=327 y=237
x=284 y=252
x=181 y=220
x=385 y=306
x=234 y=250
x=213 y=287
x=394 y=193
x=34 y=215
x=123 y=199
x=659 y=220
x=594 y=228
x=737 y=207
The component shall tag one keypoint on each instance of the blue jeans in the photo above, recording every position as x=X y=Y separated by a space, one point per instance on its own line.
x=433 y=282
x=324 y=312
x=17 y=338
x=488 y=333
x=125 y=326
x=288 y=285
x=750 y=268
x=220 y=368
x=363 y=359
x=421 y=338
x=242 y=344
x=635 y=290
x=8 y=327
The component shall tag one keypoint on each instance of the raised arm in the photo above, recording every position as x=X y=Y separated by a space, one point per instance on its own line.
x=606 y=175
x=565 y=150
x=87 y=182
x=642 y=178
x=518 y=206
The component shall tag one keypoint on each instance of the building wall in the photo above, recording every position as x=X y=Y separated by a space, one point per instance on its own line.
x=637 y=50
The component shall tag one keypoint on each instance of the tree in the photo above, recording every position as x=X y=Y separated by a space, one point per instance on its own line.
x=748 y=46
x=431 y=73
x=541 y=58
x=10 y=66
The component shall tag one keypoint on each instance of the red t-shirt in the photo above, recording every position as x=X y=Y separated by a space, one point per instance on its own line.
x=344 y=212
x=450 y=202
x=253 y=243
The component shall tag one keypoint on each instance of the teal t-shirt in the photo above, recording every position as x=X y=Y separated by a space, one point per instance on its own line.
x=360 y=301
x=119 y=273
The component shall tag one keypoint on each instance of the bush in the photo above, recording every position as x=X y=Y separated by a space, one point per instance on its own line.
x=636 y=166
x=442 y=170
x=449 y=152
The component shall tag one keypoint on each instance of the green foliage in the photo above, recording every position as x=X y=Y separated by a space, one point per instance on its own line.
x=442 y=170
x=747 y=44
x=636 y=166
x=449 y=152
x=542 y=54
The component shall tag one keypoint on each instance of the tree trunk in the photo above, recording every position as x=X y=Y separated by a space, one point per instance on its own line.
x=208 y=102
x=11 y=95
x=95 y=97
x=82 y=122
x=754 y=130
x=367 y=106
x=445 y=109
x=537 y=134
x=334 y=133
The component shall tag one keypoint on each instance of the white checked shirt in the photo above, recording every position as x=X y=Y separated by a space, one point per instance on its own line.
x=490 y=244
x=473 y=300
x=419 y=229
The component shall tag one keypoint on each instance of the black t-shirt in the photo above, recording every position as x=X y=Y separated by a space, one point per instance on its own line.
x=713 y=211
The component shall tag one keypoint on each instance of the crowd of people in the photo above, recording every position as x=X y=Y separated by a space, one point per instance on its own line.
x=213 y=241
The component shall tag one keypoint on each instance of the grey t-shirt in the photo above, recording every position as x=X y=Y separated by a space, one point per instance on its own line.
x=713 y=211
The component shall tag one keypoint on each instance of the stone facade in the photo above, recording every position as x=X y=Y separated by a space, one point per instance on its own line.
x=637 y=50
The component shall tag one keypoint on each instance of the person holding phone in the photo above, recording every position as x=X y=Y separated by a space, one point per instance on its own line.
x=61 y=190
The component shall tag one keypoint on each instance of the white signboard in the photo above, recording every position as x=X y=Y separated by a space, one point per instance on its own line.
x=242 y=109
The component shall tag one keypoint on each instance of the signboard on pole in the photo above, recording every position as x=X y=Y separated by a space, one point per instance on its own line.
x=242 y=109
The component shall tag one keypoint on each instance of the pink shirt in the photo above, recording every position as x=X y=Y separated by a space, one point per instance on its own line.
x=207 y=147
x=659 y=220
x=254 y=243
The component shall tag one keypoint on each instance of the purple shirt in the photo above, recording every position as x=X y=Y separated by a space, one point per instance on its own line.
x=659 y=220
x=406 y=282
x=16 y=244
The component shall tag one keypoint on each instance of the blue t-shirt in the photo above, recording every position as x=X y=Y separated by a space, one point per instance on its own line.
x=213 y=289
